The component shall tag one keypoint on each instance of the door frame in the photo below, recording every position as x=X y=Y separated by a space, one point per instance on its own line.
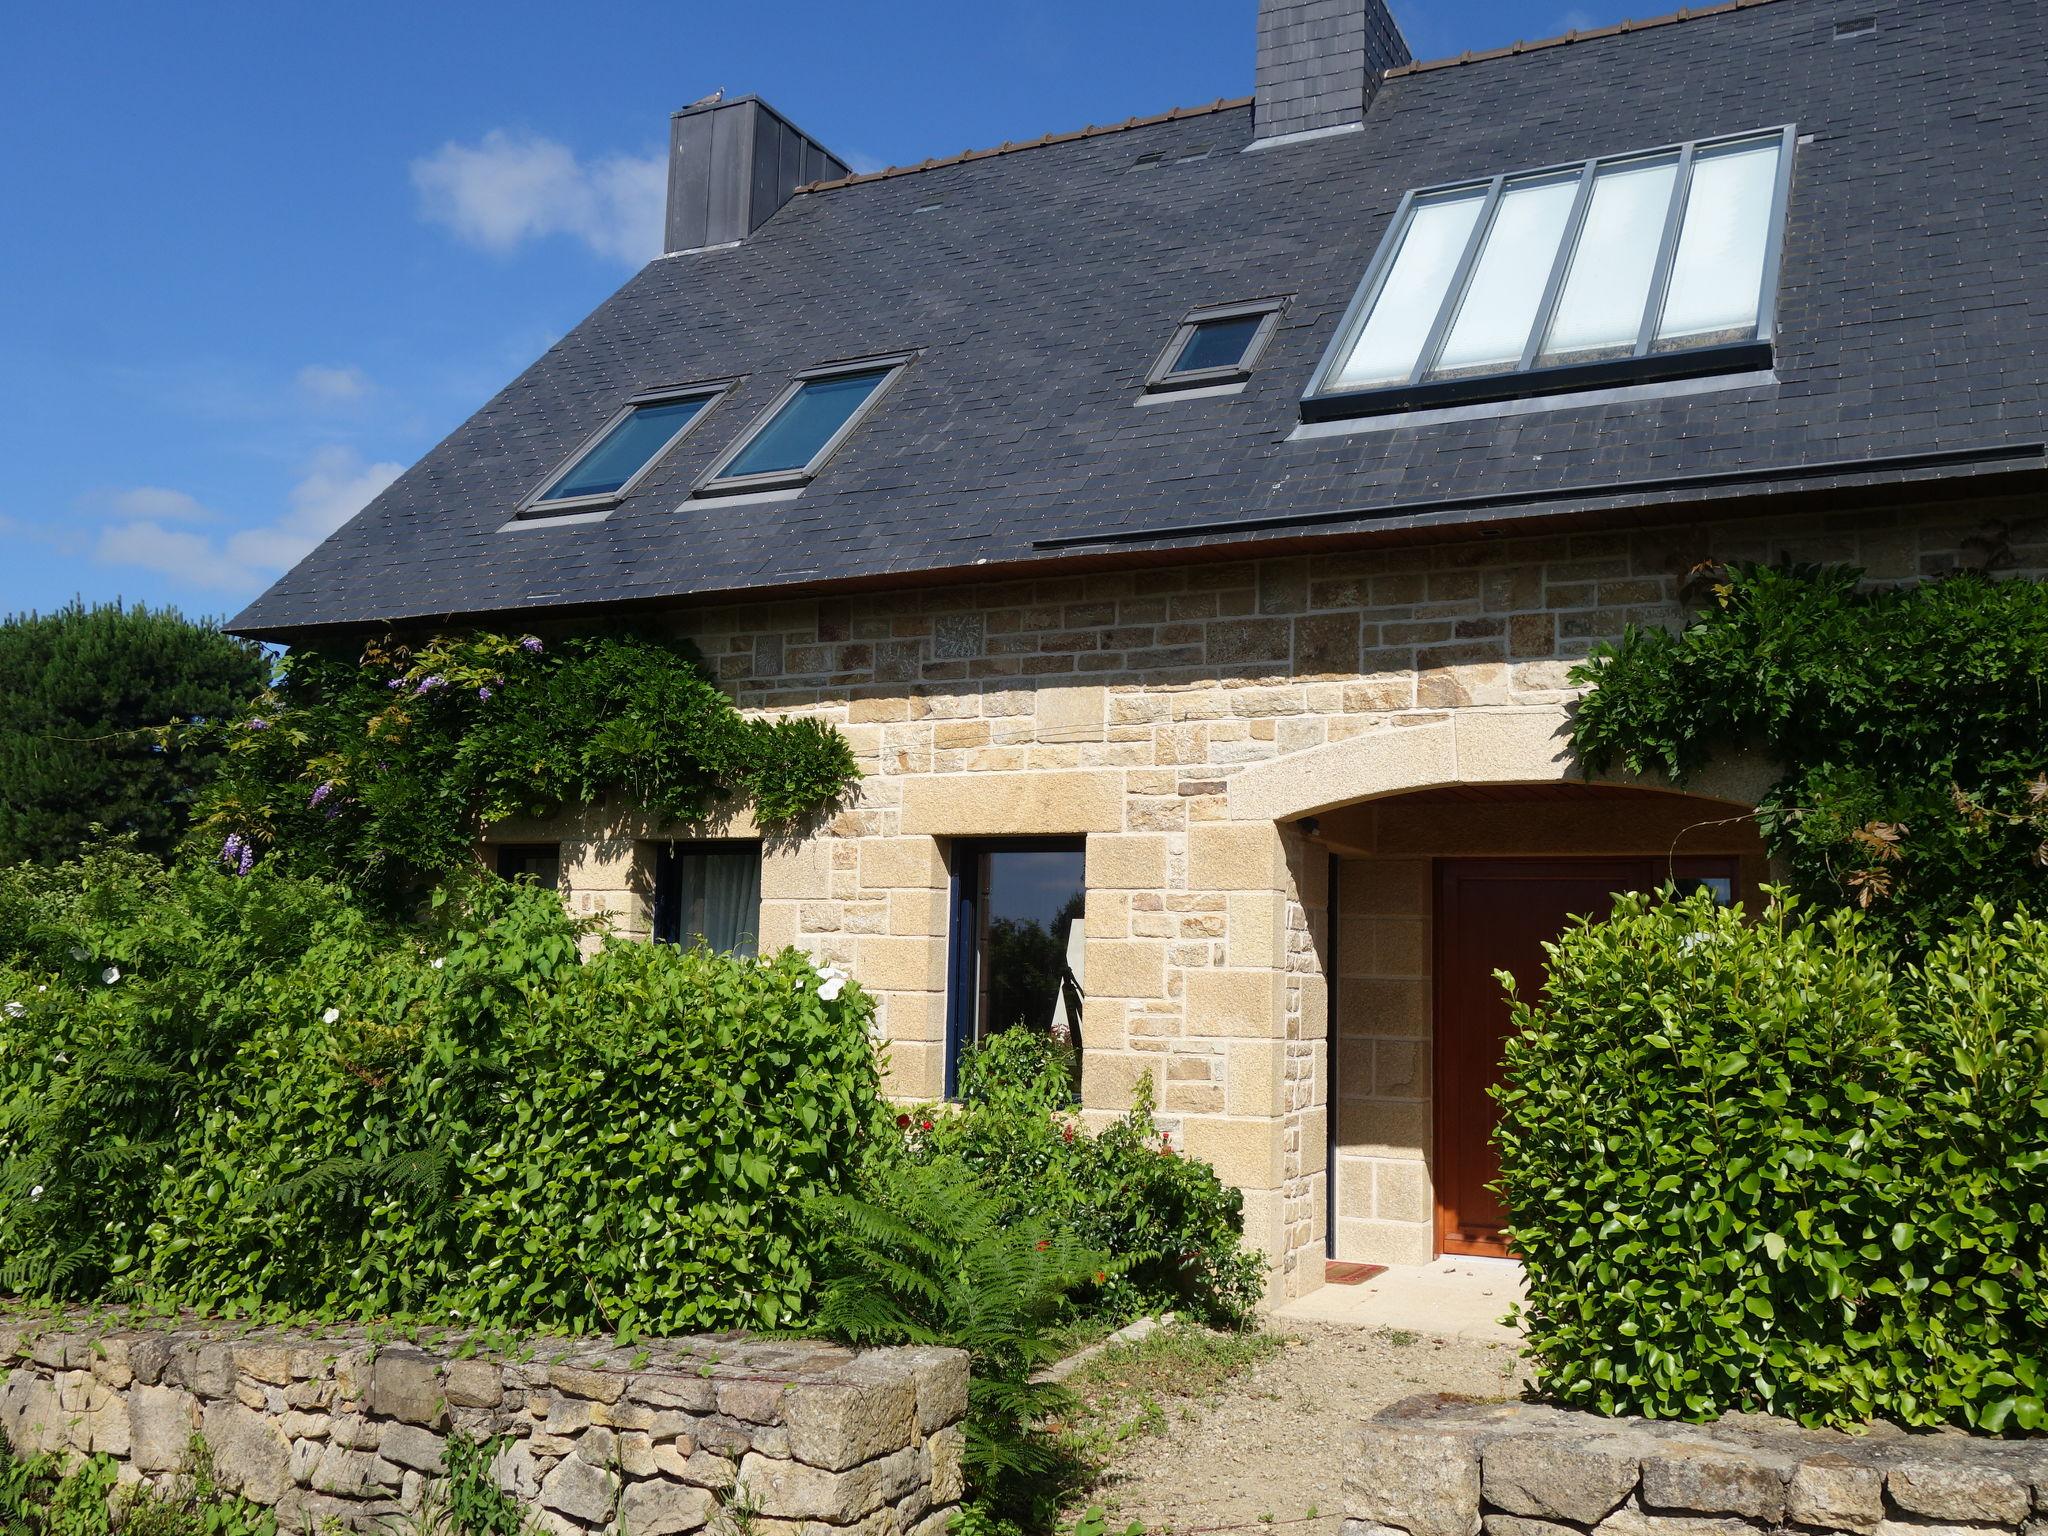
x=1702 y=866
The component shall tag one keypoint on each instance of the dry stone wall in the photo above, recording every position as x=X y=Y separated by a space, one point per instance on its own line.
x=1435 y=1467
x=674 y=1437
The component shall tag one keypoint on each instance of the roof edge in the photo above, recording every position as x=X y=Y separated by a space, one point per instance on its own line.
x=1588 y=35
x=1014 y=146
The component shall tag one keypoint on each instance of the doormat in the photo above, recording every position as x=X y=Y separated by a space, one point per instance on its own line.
x=1350 y=1274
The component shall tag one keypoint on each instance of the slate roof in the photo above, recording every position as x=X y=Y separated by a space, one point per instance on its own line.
x=1038 y=286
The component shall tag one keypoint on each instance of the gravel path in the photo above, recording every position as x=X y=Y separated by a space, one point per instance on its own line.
x=1275 y=1445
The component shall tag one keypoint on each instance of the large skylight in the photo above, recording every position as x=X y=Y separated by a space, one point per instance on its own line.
x=793 y=437
x=1643 y=265
x=624 y=449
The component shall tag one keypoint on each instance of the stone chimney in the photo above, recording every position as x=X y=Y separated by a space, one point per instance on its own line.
x=1320 y=62
x=731 y=164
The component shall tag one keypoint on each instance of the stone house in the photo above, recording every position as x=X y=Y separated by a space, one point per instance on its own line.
x=1193 y=523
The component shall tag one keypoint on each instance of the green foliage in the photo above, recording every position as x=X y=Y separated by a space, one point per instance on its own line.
x=248 y=1094
x=928 y=1254
x=84 y=694
x=1908 y=722
x=38 y=1497
x=381 y=771
x=466 y=1500
x=1174 y=1227
x=1760 y=1165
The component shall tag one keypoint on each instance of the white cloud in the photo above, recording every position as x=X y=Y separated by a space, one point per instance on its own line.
x=333 y=386
x=1574 y=21
x=509 y=188
x=336 y=485
x=151 y=503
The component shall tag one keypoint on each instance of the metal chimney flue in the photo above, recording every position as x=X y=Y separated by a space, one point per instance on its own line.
x=731 y=164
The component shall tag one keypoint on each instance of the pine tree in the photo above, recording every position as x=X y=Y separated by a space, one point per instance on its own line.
x=79 y=690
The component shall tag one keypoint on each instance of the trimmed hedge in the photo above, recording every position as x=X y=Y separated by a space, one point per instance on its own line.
x=1766 y=1166
x=247 y=1094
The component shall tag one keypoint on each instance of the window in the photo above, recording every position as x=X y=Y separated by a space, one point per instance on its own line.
x=1652 y=265
x=609 y=465
x=1214 y=346
x=794 y=437
x=709 y=894
x=1018 y=942
x=539 y=862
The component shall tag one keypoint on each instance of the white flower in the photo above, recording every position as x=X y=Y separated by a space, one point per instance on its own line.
x=15 y=1010
x=831 y=982
x=111 y=974
x=36 y=1193
x=331 y=1016
x=439 y=961
x=44 y=987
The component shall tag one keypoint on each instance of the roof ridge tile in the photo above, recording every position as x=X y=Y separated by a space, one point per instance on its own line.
x=1576 y=35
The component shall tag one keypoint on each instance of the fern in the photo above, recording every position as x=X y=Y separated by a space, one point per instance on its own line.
x=929 y=1255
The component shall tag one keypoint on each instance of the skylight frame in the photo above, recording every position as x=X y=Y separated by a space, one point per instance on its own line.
x=537 y=506
x=1161 y=379
x=714 y=482
x=1321 y=402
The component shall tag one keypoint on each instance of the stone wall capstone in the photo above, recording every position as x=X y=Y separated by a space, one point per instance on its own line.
x=670 y=1437
x=1433 y=1466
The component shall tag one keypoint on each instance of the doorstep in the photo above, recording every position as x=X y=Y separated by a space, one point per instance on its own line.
x=1449 y=1299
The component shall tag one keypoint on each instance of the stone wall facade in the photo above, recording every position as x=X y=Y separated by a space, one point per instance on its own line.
x=1437 y=1467
x=1184 y=720
x=669 y=1438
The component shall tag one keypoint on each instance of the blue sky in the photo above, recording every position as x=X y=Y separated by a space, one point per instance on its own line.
x=258 y=257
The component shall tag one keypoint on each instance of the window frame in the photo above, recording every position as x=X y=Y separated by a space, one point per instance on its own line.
x=662 y=917
x=536 y=505
x=963 y=933
x=1320 y=402
x=1161 y=379
x=714 y=482
x=503 y=854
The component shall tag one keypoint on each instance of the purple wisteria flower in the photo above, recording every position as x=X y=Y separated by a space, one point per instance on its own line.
x=531 y=645
x=320 y=794
x=429 y=684
x=484 y=693
x=237 y=854
x=395 y=684
x=258 y=723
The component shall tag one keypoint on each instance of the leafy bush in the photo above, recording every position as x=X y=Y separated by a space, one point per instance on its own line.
x=38 y=1497
x=1907 y=721
x=381 y=771
x=247 y=1093
x=929 y=1254
x=1173 y=1226
x=84 y=695
x=1762 y=1165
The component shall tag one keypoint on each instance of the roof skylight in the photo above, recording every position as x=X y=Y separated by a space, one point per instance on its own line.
x=1215 y=346
x=1636 y=266
x=609 y=464
x=790 y=442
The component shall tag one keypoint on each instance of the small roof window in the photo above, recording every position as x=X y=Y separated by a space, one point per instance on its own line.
x=790 y=441
x=1651 y=265
x=624 y=449
x=1217 y=345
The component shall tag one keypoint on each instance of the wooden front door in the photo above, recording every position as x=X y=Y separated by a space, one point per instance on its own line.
x=1496 y=915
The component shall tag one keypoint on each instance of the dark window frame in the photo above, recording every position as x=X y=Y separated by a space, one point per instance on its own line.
x=963 y=933
x=1162 y=379
x=714 y=482
x=665 y=926
x=1320 y=402
x=535 y=506
x=503 y=854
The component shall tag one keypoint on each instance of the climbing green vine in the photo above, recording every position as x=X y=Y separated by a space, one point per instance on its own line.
x=381 y=770
x=1911 y=725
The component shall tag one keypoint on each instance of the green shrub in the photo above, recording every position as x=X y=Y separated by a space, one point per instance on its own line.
x=1173 y=1226
x=1906 y=721
x=85 y=694
x=929 y=1254
x=380 y=771
x=246 y=1093
x=39 y=1497
x=1764 y=1165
